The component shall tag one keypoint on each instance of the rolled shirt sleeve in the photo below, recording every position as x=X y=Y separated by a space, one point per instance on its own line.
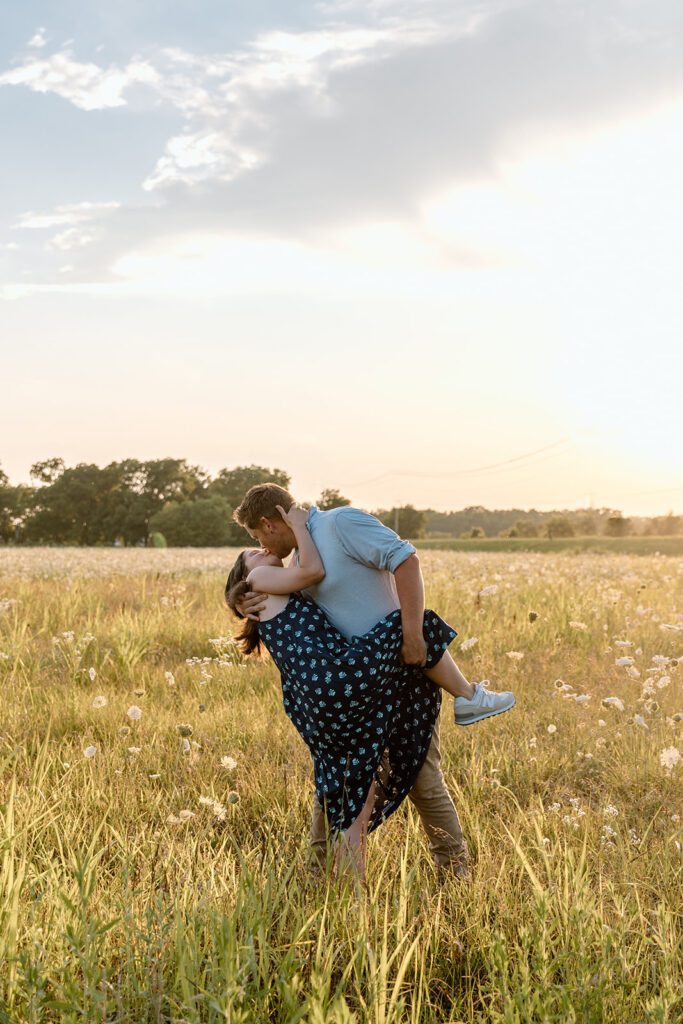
x=370 y=542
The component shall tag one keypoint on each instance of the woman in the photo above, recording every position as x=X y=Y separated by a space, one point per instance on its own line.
x=349 y=699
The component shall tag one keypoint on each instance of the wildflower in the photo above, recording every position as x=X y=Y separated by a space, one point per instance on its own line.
x=466 y=645
x=555 y=807
x=90 y=751
x=154 y=775
x=669 y=758
x=613 y=702
x=623 y=643
x=669 y=627
x=233 y=797
x=185 y=815
x=608 y=834
x=663 y=681
x=660 y=659
x=170 y=678
x=581 y=626
x=552 y=728
x=92 y=674
x=581 y=698
x=533 y=616
x=560 y=684
x=610 y=811
x=184 y=729
x=134 y=713
x=546 y=841
x=633 y=672
x=532 y=742
x=124 y=730
x=639 y=720
x=490 y=589
x=173 y=820
x=229 y=763
x=623 y=661
x=99 y=702
x=515 y=655
x=602 y=723
x=134 y=750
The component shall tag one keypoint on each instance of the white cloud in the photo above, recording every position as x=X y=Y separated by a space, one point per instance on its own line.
x=87 y=86
x=39 y=39
x=68 y=213
x=367 y=118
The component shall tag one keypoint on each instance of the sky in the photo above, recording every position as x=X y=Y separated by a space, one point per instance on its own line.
x=422 y=252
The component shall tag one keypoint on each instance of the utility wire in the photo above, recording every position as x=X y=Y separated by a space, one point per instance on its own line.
x=459 y=472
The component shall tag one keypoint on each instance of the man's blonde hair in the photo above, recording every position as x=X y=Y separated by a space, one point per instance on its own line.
x=262 y=500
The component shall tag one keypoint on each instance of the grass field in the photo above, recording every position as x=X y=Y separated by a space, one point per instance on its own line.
x=155 y=802
x=607 y=545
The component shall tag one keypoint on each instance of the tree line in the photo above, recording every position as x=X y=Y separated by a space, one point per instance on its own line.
x=169 y=501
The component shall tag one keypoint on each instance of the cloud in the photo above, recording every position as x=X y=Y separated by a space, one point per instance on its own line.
x=366 y=118
x=69 y=213
x=87 y=86
x=38 y=39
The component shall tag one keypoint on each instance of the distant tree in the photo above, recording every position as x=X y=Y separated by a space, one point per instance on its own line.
x=48 y=471
x=331 y=499
x=586 y=524
x=526 y=528
x=406 y=520
x=558 y=526
x=617 y=526
x=474 y=532
x=201 y=523
x=233 y=484
x=66 y=510
x=665 y=526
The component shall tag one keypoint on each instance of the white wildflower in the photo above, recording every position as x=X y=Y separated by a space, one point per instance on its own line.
x=669 y=758
x=623 y=643
x=134 y=713
x=552 y=728
x=610 y=811
x=613 y=702
x=92 y=674
x=581 y=626
x=490 y=589
x=633 y=672
x=466 y=645
x=624 y=661
x=515 y=655
x=228 y=763
x=90 y=751
x=639 y=720
x=170 y=678
x=99 y=702
x=185 y=815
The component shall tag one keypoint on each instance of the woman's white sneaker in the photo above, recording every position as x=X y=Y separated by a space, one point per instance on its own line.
x=483 y=704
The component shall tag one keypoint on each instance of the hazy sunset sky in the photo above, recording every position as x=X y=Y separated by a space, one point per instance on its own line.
x=424 y=252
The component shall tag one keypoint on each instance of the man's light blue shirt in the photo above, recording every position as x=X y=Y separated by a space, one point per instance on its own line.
x=360 y=555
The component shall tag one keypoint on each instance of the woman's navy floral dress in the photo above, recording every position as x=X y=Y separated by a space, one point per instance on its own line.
x=351 y=699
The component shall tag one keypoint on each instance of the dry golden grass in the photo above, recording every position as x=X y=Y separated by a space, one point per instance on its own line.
x=117 y=906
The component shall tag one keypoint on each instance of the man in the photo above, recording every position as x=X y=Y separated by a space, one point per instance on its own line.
x=369 y=572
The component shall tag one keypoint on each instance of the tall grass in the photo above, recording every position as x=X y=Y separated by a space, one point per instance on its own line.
x=117 y=906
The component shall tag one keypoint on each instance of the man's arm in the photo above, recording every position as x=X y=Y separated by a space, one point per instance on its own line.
x=411 y=596
x=379 y=547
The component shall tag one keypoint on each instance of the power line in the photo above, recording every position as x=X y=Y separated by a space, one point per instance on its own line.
x=459 y=472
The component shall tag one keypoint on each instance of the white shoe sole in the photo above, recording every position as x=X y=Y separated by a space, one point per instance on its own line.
x=472 y=720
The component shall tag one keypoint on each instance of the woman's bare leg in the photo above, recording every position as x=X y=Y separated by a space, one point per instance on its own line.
x=351 y=844
x=448 y=676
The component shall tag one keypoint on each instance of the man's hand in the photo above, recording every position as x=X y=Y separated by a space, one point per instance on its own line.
x=414 y=650
x=251 y=604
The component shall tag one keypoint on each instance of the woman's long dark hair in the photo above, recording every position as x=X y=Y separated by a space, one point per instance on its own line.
x=248 y=639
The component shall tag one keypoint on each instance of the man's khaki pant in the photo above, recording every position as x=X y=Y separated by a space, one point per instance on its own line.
x=434 y=805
